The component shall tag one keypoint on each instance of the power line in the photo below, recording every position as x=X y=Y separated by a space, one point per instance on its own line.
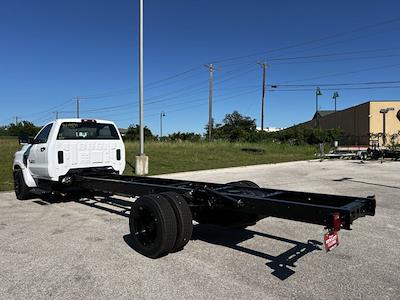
x=190 y=89
x=193 y=69
x=195 y=100
x=277 y=89
x=226 y=97
x=338 y=84
x=352 y=39
x=283 y=58
x=327 y=54
x=197 y=68
x=47 y=111
x=342 y=73
x=152 y=85
x=159 y=100
x=311 y=41
x=128 y=91
x=198 y=105
x=334 y=89
x=336 y=60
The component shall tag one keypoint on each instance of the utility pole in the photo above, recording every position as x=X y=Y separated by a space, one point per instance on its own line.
x=263 y=66
x=55 y=114
x=211 y=70
x=77 y=107
x=16 y=121
x=142 y=161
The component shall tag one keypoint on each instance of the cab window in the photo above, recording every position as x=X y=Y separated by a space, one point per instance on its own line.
x=87 y=131
x=43 y=135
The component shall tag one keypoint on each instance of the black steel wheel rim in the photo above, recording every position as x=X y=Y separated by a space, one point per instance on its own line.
x=145 y=226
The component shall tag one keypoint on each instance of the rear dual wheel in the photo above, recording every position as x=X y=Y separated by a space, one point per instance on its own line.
x=160 y=224
x=183 y=217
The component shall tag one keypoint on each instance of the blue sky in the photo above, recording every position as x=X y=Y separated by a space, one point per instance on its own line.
x=53 y=51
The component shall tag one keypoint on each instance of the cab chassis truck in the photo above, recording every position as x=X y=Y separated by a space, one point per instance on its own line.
x=160 y=219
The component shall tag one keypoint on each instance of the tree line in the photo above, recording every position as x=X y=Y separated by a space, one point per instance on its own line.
x=235 y=127
x=19 y=129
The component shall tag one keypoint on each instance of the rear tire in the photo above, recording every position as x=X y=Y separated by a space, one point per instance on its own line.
x=183 y=218
x=22 y=191
x=153 y=226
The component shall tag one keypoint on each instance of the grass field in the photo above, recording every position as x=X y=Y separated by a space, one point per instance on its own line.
x=8 y=147
x=178 y=157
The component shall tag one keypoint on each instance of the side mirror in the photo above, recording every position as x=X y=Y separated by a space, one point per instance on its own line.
x=25 y=139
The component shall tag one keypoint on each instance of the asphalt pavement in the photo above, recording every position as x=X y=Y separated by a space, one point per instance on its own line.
x=79 y=249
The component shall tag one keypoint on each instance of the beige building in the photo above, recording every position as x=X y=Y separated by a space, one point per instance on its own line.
x=363 y=124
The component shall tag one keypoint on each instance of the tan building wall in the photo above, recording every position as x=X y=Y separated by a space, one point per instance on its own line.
x=360 y=121
x=392 y=122
x=353 y=121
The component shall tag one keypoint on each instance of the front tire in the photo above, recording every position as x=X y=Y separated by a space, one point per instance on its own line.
x=22 y=191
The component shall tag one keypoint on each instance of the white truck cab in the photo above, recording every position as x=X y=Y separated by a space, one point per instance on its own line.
x=64 y=146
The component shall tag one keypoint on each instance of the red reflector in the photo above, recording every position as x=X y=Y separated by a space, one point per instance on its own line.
x=336 y=222
x=331 y=240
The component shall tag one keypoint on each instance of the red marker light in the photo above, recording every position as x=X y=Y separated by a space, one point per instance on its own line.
x=337 y=224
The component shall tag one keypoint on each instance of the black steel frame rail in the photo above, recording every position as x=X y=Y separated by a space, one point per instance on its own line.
x=299 y=206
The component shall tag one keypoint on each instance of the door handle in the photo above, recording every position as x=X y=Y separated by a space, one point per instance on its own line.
x=42 y=149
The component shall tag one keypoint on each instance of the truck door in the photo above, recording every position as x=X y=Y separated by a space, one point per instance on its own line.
x=38 y=156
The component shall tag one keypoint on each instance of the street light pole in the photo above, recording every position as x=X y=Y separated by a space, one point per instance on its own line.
x=211 y=70
x=335 y=95
x=141 y=115
x=142 y=161
x=77 y=107
x=162 y=114
x=317 y=93
x=384 y=111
